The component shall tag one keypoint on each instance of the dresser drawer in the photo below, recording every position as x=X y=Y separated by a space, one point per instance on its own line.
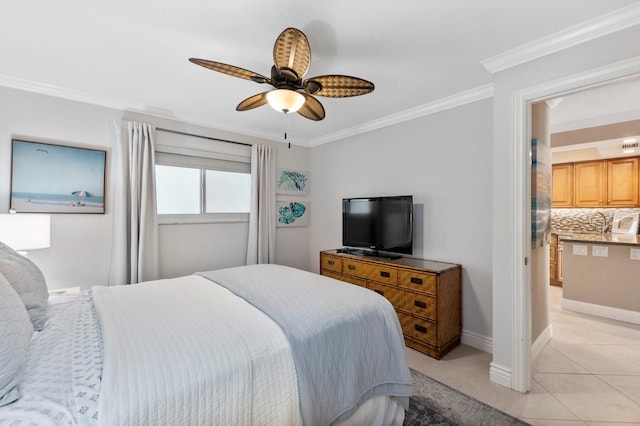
x=379 y=273
x=418 y=281
x=420 y=304
x=392 y=294
x=332 y=274
x=422 y=330
x=382 y=274
x=353 y=267
x=418 y=329
x=354 y=280
x=331 y=263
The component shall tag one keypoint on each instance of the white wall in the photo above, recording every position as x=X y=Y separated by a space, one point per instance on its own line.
x=444 y=161
x=575 y=63
x=80 y=252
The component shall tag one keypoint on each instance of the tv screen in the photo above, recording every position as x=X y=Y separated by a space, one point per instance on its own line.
x=378 y=223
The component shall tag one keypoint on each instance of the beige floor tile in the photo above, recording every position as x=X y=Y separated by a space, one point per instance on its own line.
x=582 y=331
x=539 y=404
x=552 y=361
x=612 y=424
x=628 y=385
x=565 y=390
x=604 y=359
x=546 y=422
x=590 y=398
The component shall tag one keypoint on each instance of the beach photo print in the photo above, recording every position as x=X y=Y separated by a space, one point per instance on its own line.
x=48 y=178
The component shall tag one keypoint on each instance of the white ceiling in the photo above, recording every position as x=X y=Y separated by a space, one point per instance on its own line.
x=609 y=103
x=132 y=54
x=613 y=102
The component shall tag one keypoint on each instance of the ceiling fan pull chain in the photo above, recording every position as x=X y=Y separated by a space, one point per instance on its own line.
x=287 y=126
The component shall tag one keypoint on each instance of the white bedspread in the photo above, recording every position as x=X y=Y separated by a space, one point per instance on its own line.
x=168 y=363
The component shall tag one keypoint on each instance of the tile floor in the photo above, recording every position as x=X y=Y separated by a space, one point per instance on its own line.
x=587 y=375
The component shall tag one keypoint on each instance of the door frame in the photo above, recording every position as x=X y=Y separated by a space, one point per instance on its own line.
x=521 y=120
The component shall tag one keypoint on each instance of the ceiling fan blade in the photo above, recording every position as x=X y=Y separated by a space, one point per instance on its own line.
x=231 y=70
x=292 y=52
x=337 y=86
x=312 y=108
x=252 y=102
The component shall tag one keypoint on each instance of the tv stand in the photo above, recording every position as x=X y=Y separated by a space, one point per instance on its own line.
x=426 y=295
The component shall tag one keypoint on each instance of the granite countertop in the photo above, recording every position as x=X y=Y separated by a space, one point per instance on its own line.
x=608 y=238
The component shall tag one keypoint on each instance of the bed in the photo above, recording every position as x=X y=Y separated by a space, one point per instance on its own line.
x=252 y=345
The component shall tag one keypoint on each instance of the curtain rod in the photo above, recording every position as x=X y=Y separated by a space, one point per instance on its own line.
x=200 y=136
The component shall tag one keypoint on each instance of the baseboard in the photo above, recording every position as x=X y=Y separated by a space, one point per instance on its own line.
x=601 y=311
x=541 y=342
x=500 y=375
x=477 y=341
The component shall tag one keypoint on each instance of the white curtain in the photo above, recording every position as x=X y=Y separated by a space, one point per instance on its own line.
x=261 y=246
x=135 y=250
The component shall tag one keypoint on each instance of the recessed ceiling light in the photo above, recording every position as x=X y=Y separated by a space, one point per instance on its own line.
x=628 y=151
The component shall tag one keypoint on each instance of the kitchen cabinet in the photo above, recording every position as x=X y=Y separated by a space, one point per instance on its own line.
x=590 y=184
x=562 y=185
x=622 y=182
x=600 y=183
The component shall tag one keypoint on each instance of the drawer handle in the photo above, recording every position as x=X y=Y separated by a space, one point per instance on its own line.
x=380 y=292
x=385 y=274
x=331 y=262
x=420 y=328
x=415 y=280
x=352 y=267
x=420 y=304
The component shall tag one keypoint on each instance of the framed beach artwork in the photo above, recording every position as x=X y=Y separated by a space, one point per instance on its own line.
x=292 y=213
x=49 y=178
x=291 y=182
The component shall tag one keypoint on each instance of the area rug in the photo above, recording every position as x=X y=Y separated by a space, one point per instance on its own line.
x=434 y=403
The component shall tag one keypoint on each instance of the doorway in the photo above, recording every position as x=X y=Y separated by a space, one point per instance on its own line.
x=523 y=99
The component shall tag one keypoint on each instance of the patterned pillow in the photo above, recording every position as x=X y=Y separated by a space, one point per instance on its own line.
x=27 y=280
x=15 y=335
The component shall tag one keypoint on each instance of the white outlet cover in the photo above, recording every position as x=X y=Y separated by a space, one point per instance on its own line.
x=600 y=251
x=635 y=254
x=580 y=250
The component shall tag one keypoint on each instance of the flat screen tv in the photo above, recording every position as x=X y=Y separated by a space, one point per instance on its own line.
x=378 y=224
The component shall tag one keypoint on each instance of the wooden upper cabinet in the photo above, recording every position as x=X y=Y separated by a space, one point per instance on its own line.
x=590 y=184
x=562 y=185
x=622 y=182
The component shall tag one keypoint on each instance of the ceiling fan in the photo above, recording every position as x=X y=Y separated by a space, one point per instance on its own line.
x=292 y=55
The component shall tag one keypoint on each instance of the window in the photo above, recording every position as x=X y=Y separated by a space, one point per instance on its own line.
x=185 y=190
x=177 y=190
x=227 y=192
x=199 y=180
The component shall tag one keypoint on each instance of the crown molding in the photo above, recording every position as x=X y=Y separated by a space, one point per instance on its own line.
x=134 y=106
x=453 y=101
x=127 y=106
x=606 y=24
x=59 y=92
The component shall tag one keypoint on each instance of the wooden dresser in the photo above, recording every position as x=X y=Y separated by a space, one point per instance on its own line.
x=426 y=295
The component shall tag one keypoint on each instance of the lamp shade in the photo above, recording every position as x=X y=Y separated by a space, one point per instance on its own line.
x=285 y=100
x=25 y=231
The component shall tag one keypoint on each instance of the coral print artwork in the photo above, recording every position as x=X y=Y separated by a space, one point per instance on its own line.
x=292 y=213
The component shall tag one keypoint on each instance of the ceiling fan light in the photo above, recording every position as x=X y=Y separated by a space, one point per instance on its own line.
x=285 y=100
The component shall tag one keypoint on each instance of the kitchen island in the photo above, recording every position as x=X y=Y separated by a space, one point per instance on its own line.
x=601 y=275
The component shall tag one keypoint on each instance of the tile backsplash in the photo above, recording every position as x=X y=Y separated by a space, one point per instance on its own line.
x=582 y=220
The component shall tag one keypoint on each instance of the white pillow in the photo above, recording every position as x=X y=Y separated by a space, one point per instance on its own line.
x=15 y=335
x=27 y=280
